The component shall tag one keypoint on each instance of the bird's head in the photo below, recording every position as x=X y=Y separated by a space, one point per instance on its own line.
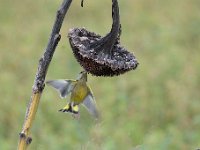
x=82 y=76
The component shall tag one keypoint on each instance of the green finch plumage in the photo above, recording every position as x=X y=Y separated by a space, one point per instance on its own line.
x=80 y=94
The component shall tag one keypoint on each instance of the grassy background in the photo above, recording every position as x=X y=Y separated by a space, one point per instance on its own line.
x=156 y=107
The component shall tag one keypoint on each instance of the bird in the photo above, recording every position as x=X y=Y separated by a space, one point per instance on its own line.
x=80 y=92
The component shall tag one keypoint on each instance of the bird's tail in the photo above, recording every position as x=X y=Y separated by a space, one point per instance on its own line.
x=74 y=109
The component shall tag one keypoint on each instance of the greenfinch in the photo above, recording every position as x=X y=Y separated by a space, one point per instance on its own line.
x=80 y=94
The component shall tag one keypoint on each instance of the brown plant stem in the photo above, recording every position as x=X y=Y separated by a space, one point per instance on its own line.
x=24 y=138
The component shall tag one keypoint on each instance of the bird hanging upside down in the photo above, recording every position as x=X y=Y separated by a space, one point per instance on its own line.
x=80 y=94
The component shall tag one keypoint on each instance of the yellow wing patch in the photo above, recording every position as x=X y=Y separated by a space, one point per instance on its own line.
x=66 y=107
x=75 y=108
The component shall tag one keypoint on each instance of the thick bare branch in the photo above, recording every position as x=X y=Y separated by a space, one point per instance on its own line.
x=38 y=86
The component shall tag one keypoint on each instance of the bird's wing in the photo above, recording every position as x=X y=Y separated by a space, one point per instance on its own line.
x=90 y=104
x=64 y=87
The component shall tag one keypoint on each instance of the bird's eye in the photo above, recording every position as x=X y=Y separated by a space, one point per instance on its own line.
x=82 y=72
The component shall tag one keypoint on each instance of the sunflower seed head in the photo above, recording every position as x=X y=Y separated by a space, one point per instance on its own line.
x=102 y=56
x=99 y=63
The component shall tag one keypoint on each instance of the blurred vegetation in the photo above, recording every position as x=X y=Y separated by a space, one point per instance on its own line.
x=154 y=107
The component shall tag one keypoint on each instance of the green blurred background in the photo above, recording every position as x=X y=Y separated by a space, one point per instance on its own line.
x=155 y=107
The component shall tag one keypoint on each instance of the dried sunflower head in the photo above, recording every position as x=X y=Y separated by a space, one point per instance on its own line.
x=102 y=56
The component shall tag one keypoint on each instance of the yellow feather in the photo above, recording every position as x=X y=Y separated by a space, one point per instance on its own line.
x=66 y=107
x=75 y=108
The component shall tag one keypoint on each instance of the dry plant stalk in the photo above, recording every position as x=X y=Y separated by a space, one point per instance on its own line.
x=24 y=138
